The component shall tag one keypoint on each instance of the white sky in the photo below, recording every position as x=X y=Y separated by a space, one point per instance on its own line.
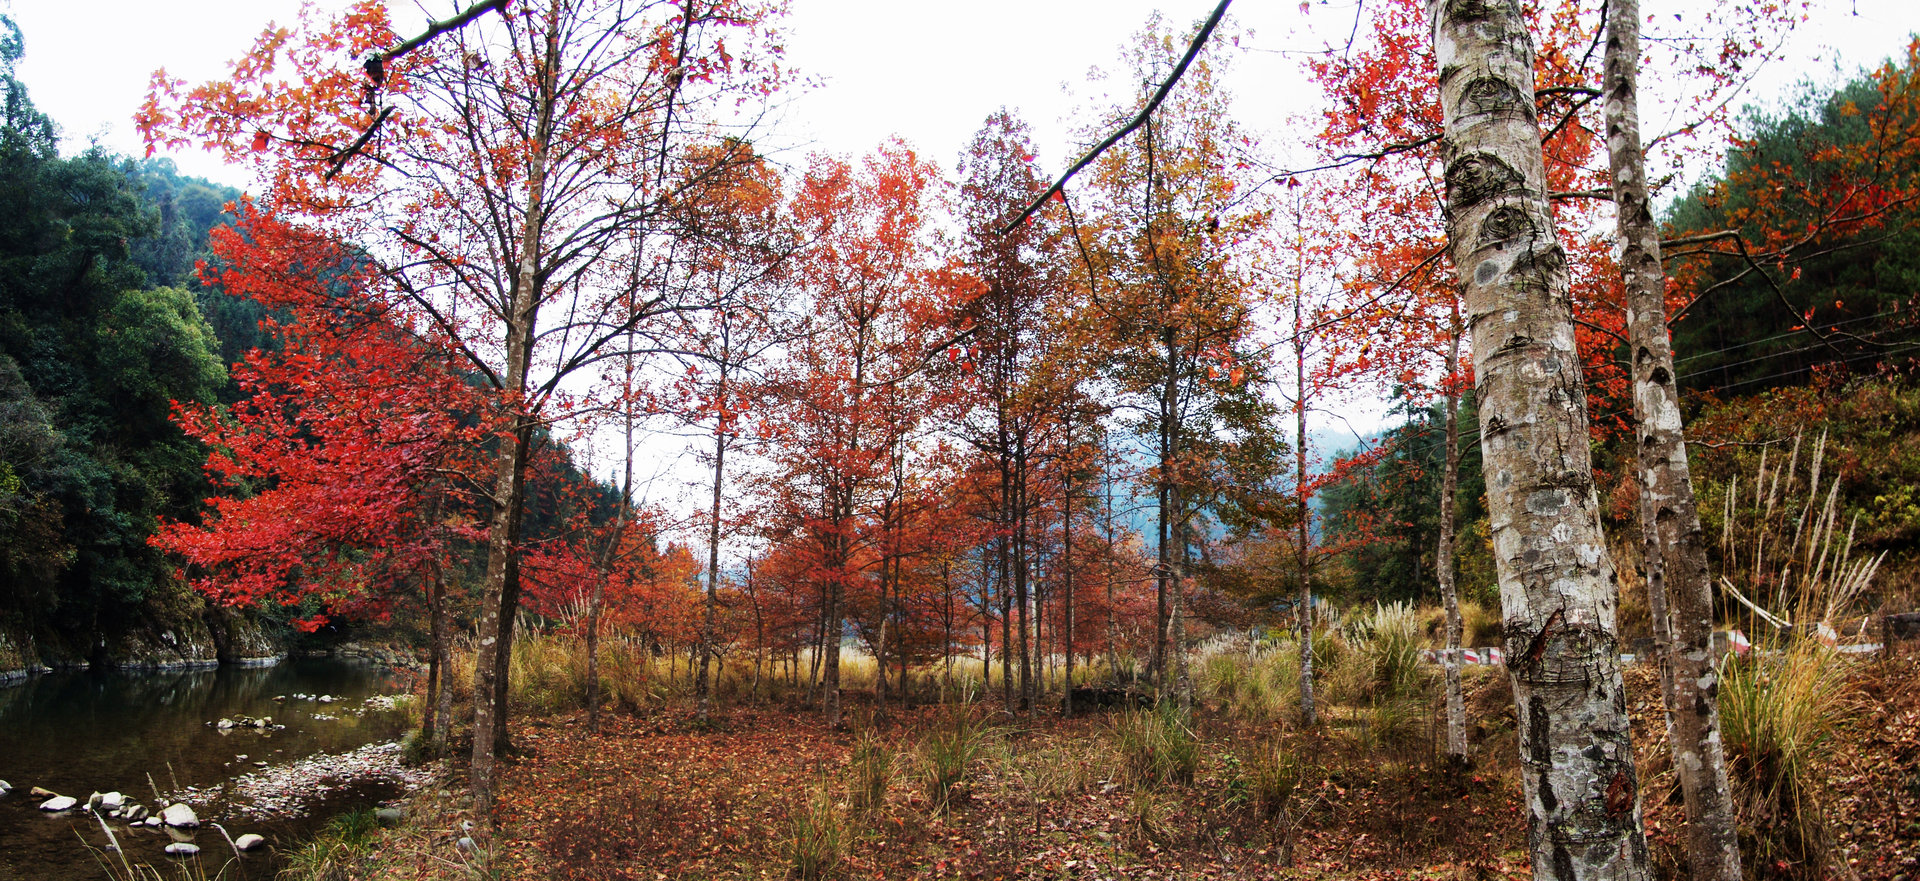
x=926 y=70
x=929 y=71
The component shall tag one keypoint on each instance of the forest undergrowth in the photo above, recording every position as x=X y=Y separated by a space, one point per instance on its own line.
x=966 y=790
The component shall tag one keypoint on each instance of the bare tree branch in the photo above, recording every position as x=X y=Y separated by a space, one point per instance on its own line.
x=1179 y=70
x=376 y=67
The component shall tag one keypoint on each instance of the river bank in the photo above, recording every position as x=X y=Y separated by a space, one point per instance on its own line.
x=156 y=737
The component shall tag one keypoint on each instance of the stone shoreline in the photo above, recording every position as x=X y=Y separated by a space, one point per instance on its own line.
x=22 y=674
x=293 y=788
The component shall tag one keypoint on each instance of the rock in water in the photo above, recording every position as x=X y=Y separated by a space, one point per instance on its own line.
x=248 y=841
x=41 y=792
x=112 y=801
x=183 y=848
x=180 y=816
x=5 y=787
x=59 y=803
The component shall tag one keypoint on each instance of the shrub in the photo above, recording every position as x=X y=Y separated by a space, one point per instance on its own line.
x=1480 y=625
x=549 y=673
x=1156 y=747
x=1388 y=642
x=1272 y=777
x=870 y=773
x=1780 y=716
x=946 y=755
x=330 y=855
x=817 y=836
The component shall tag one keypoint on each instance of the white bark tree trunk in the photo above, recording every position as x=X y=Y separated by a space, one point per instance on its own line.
x=1675 y=550
x=1557 y=583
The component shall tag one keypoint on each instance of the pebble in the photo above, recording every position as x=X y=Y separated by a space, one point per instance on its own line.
x=59 y=803
x=180 y=815
x=280 y=790
x=183 y=848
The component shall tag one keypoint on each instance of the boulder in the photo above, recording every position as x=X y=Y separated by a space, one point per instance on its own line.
x=183 y=849
x=59 y=803
x=179 y=816
x=248 y=841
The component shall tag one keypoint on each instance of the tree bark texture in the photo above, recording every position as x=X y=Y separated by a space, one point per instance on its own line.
x=1557 y=583
x=1675 y=550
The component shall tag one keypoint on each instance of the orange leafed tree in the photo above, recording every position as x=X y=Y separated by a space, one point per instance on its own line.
x=519 y=180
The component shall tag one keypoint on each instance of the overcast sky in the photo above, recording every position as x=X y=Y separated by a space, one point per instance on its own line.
x=926 y=70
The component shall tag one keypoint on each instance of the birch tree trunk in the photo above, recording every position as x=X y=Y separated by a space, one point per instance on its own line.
x=1557 y=584
x=1443 y=560
x=1675 y=550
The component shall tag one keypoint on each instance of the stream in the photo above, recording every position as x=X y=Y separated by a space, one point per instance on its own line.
x=147 y=735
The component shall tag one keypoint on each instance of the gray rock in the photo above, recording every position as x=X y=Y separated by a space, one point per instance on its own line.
x=248 y=841
x=113 y=801
x=389 y=816
x=183 y=848
x=223 y=724
x=59 y=803
x=134 y=813
x=179 y=815
x=151 y=821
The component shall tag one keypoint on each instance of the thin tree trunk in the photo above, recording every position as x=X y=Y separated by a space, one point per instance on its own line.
x=986 y=623
x=443 y=647
x=1443 y=555
x=608 y=558
x=831 y=685
x=1177 y=625
x=1303 y=552
x=1113 y=624
x=1066 y=569
x=1021 y=581
x=1675 y=551
x=432 y=728
x=704 y=686
x=1556 y=576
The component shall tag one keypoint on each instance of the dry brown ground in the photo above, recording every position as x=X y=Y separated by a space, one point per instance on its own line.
x=655 y=797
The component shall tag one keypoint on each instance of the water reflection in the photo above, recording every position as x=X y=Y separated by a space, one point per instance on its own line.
x=75 y=733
